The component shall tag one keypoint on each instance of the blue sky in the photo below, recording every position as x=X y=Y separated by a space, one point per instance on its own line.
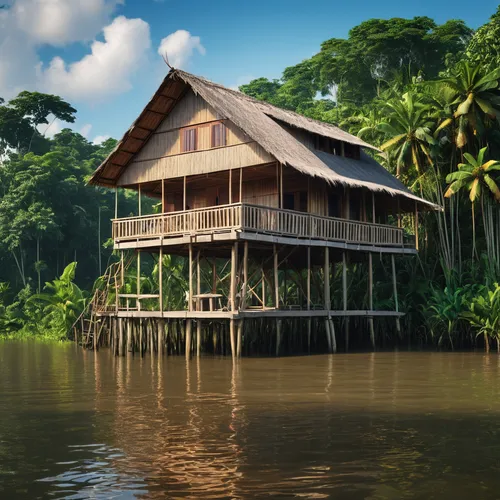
x=102 y=55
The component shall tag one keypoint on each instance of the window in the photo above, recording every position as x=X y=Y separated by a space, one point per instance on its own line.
x=188 y=140
x=218 y=135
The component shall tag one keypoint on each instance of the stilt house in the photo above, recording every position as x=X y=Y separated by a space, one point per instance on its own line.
x=264 y=203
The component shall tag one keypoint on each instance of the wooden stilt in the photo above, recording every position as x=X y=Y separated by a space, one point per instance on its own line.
x=373 y=208
x=245 y=277
x=309 y=328
x=214 y=275
x=370 y=298
x=344 y=299
x=328 y=335
x=395 y=292
x=198 y=337
x=276 y=279
x=308 y=286
x=188 y=339
x=160 y=276
x=190 y=304
x=416 y=225
x=129 y=336
x=184 y=202
x=160 y=340
x=231 y=338
x=332 y=335
x=234 y=267
x=138 y=279
x=141 y=337
x=120 y=341
x=327 y=299
x=278 y=336
x=240 y=338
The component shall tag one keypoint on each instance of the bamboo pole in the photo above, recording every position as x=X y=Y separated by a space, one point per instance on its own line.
x=276 y=279
x=184 y=204
x=278 y=184
x=188 y=339
x=416 y=225
x=190 y=298
x=120 y=341
x=395 y=291
x=327 y=280
x=231 y=337
x=281 y=185
x=308 y=288
x=139 y=199
x=129 y=336
x=214 y=275
x=160 y=277
x=138 y=279
x=230 y=186
x=332 y=335
x=198 y=276
x=245 y=276
x=234 y=267
x=373 y=207
x=344 y=299
x=116 y=203
x=240 y=338
x=198 y=337
x=163 y=196
x=370 y=298
x=327 y=300
x=278 y=336
x=241 y=185
x=399 y=212
x=263 y=286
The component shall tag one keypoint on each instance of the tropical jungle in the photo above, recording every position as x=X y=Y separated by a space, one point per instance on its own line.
x=426 y=94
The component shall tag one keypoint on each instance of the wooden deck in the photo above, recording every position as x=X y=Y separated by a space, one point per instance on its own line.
x=229 y=220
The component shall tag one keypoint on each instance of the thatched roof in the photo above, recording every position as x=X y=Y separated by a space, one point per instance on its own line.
x=261 y=122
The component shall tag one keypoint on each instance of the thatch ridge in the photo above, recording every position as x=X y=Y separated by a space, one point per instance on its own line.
x=260 y=121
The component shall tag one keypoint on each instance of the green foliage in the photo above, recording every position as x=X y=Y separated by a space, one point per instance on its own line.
x=484 y=46
x=62 y=303
x=20 y=117
x=484 y=314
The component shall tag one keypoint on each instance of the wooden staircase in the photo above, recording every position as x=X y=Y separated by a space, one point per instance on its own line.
x=87 y=328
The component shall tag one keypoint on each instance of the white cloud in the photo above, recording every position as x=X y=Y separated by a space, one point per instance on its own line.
x=85 y=130
x=52 y=128
x=57 y=22
x=179 y=48
x=100 y=139
x=107 y=70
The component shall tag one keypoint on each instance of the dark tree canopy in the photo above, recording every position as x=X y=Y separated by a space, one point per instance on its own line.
x=21 y=116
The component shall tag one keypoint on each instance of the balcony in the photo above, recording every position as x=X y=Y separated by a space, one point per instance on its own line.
x=258 y=220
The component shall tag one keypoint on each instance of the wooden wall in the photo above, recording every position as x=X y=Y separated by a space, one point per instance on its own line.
x=161 y=157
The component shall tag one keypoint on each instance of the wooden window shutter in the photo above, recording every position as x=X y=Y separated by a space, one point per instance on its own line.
x=189 y=140
x=218 y=136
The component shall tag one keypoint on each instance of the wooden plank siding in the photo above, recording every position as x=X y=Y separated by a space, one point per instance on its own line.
x=162 y=156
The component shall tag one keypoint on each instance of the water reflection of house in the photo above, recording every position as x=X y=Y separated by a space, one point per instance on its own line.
x=178 y=435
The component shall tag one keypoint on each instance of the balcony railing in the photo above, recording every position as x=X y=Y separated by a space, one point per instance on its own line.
x=256 y=219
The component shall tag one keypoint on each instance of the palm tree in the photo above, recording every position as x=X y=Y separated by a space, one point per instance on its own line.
x=474 y=101
x=409 y=128
x=475 y=177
